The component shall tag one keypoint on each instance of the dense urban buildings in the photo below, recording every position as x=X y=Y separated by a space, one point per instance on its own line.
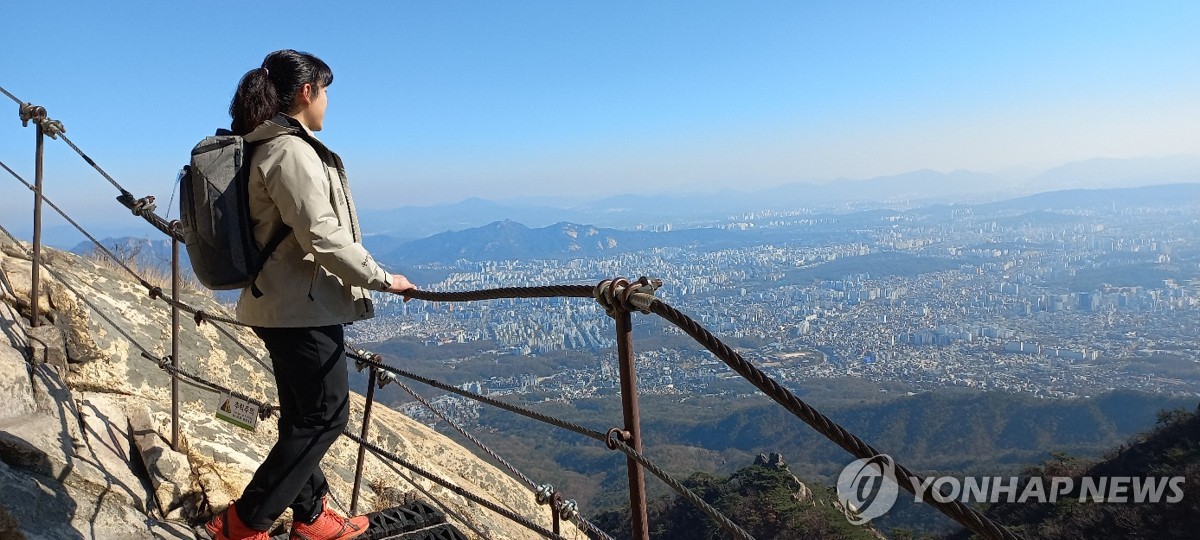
x=1060 y=302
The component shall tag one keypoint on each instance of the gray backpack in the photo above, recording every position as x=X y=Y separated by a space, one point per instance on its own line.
x=214 y=209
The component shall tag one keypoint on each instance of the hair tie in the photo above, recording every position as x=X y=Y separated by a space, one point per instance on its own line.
x=266 y=71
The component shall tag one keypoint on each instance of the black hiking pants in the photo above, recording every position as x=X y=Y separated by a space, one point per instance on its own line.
x=314 y=406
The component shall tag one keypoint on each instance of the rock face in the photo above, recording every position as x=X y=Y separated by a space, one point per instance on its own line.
x=85 y=420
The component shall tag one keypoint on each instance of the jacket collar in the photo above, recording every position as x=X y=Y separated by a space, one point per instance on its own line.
x=282 y=124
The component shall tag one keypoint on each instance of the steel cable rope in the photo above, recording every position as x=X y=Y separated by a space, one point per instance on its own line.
x=265 y=408
x=604 y=293
x=543 y=291
x=586 y=525
x=528 y=482
x=253 y=354
x=142 y=281
x=470 y=523
x=512 y=516
x=956 y=510
x=357 y=354
x=78 y=227
x=124 y=192
x=723 y=521
x=732 y=528
x=162 y=362
x=468 y=394
x=14 y=98
x=140 y=207
x=156 y=292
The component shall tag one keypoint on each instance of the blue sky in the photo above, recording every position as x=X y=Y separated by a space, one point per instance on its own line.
x=437 y=101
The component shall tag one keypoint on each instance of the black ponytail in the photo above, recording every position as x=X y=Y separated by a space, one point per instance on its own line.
x=269 y=90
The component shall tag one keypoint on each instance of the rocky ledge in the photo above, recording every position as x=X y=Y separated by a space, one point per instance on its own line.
x=85 y=420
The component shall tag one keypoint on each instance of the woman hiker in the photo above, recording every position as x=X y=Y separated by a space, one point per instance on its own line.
x=317 y=280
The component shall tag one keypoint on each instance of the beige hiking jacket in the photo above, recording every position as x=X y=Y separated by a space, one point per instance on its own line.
x=319 y=274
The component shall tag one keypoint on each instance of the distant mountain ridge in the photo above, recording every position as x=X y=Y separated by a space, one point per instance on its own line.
x=1166 y=194
x=624 y=211
x=1118 y=173
x=509 y=239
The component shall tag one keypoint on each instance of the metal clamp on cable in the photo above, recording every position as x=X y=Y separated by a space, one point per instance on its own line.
x=385 y=377
x=33 y=112
x=365 y=356
x=162 y=362
x=52 y=128
x=200 y=317
x=603 y=294
x=620 y=294
x=144 y=205
x=568 y=510
x=37 y=114
x=544 y=493
x=616 y=435
x=155 y=293
x=265 y=411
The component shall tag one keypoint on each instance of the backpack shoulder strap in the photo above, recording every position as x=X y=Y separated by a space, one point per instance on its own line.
x=286 y=230
x=265 y=254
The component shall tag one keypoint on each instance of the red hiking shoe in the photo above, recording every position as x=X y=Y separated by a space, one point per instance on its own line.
x=330 y=526
x=226 y=525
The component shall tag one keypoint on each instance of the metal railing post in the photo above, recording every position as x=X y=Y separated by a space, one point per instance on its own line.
x=362 y=450
x=175 y=284
x=554 y=500
x=35 y=277
x=629 y=406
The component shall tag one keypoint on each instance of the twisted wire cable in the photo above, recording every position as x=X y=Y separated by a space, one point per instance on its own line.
x=380 y=452
x=465 y=520
x=584 y=524
x=164 y=364
x=126 y=198
x=956 y=510
x=724 y=522
x=544 y=291
x=478 y=397
x=454 y=425
x=10 y=96
x=90 y=161
x=78 y=227
x=253 y=354
x=372 y=360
